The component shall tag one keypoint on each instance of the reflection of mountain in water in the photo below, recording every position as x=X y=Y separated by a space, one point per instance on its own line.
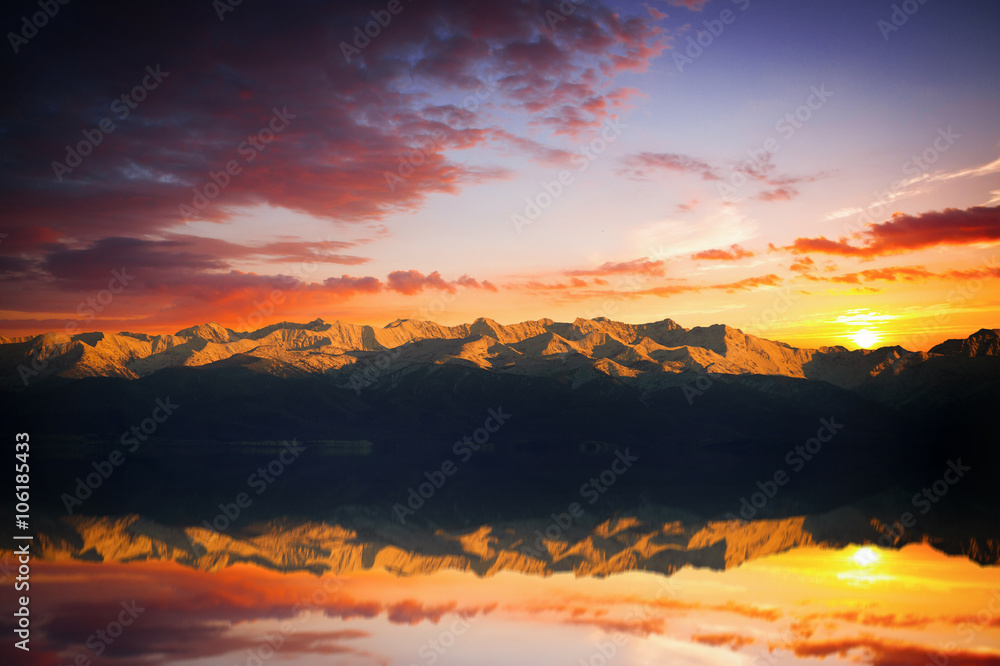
x=709 y=413
x=647 y=540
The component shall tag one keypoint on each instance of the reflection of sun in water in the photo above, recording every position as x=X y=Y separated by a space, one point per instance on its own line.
x=866 y=556
x=866 y=339
x=863 y=567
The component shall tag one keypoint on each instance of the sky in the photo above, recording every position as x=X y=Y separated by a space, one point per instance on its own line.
x=816 y=173
x=808 y=606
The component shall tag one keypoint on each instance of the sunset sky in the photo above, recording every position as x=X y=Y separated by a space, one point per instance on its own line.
x=809 y=173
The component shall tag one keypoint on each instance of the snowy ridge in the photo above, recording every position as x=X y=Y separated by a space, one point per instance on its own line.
x=633 y=352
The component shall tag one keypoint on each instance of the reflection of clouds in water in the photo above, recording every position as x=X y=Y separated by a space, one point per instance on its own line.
x=800 y=606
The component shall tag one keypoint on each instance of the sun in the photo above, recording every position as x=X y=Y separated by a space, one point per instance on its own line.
x=866 y=557
x=866 y=339
x=864 y=567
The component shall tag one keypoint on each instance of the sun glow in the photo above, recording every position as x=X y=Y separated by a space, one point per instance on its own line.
x=864 y=567
x=866 y=557
x=866 y=339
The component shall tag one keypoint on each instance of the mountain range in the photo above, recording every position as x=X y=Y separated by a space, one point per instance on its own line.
x=648 y=356
x=711 y=414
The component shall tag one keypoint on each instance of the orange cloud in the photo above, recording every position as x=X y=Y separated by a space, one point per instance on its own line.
x=909 y=233
x=190 y=614
x=180 y=290
x=732 y=254
x=636 y=627
x=909 y=273
x=733 y=641
x=804 y=265
x=769 y=280
x=639 y=167
x=541 y=286
x=905 y=273
x=974 y=273
x=413 y=282
x=889 y=653
x=642 y=266
x=693 y=5
x=410 y=611
x=888 y=620
x=778 y=194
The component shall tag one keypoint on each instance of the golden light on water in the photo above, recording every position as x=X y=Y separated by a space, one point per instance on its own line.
x=864 y=567
x=866 y=556
x=854 y=601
